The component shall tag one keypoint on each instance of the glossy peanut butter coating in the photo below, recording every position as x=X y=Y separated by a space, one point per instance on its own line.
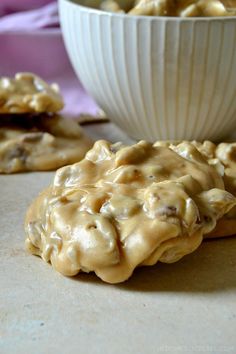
x=122 y=207
x=223 y=158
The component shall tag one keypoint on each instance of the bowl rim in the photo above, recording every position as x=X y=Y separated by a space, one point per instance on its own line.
x=148 y=18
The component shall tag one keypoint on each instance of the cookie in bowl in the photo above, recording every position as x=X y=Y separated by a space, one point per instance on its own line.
x=160 y=71
x=181 y=8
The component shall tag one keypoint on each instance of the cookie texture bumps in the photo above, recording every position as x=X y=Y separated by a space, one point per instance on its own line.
x=28 y=93
x=126 y=206
x=180 y=8
x=223 y=158
x=40 y=143
x=33 y=136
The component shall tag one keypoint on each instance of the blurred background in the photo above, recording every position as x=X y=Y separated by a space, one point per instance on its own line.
x=31 y=40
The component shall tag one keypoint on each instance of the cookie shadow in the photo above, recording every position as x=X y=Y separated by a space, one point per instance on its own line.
x=211 y=268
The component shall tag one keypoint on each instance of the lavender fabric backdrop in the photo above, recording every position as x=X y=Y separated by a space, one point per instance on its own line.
x=31 y=40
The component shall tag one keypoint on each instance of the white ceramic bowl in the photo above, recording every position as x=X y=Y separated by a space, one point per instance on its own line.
x=156 y=77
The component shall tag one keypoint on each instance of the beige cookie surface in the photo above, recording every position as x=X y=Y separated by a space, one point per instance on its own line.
x=180 y=8
x=225 y=153
x=126 y=206
x=110 y=6
x=223 y=158
x=184 y=8
x=28 y=93
x=40 y=143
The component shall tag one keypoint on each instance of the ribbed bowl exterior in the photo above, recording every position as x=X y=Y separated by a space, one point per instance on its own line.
x=157 y=78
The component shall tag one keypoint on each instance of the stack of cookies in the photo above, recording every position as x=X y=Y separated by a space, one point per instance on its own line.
x=33 y=136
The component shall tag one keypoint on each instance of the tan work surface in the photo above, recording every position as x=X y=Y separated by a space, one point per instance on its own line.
x=186 y=307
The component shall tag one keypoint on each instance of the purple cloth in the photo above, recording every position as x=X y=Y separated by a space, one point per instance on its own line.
x=31 y=40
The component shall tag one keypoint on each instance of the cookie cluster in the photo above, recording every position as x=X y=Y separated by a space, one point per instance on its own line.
x=33 y=136
x=180 y=8
x=126 y=206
